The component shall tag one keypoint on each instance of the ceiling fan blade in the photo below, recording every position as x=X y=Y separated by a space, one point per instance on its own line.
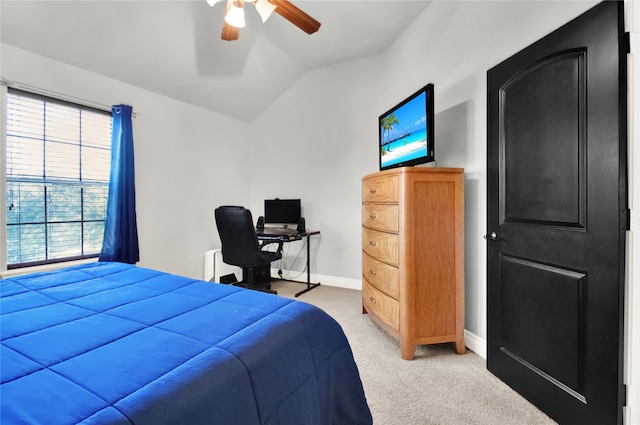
x=229 y=32
x=296 y=16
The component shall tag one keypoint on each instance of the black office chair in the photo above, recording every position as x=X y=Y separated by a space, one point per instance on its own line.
x=240 y=247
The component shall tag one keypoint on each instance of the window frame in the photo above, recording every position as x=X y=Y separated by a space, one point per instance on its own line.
x=49 y=262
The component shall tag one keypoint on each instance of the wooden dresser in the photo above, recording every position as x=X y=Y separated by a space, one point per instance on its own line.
x=413 y=254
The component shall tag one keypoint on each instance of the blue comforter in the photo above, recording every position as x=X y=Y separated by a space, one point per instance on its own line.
x=109 y=343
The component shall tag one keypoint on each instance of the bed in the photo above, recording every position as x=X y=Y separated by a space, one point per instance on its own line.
x=112 y=343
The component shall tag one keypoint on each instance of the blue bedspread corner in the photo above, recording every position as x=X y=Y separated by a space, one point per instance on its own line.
x=112 y=343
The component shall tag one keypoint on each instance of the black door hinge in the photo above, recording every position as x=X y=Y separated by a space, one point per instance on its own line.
x=625 y=43
x=625 y=219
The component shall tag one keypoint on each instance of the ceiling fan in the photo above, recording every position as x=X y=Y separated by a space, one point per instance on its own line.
x=234 y=16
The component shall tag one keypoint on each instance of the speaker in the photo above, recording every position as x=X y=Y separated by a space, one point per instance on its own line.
x=301 y=225
x=260 y=224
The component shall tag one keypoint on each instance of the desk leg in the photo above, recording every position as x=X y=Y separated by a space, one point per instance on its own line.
x=310 y=285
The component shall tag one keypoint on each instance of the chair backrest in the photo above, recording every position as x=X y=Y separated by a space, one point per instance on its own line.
x=238 y=236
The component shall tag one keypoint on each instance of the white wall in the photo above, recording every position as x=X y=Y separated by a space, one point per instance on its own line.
x=323 y=131
x=315 y=142
x=187 y=159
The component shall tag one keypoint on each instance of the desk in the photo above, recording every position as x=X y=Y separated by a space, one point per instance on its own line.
x=273 y=236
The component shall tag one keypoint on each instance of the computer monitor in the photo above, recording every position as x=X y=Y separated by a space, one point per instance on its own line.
x=282 y=211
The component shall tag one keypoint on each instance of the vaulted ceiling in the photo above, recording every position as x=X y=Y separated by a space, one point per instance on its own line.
x=174 y=47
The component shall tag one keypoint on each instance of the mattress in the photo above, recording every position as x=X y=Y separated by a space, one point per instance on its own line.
x=112 y=343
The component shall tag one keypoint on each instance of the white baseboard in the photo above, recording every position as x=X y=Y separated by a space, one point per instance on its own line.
x=340 y=282
x=475 y=343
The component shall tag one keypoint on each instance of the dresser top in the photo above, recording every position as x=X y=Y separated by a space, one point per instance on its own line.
x=407 y=170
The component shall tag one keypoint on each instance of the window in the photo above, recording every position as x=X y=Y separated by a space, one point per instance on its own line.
x=57 y=179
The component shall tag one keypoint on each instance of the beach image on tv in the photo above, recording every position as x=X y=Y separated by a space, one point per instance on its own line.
x=403 y=133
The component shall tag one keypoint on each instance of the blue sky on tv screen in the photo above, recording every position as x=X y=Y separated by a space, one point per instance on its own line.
x=411 y=117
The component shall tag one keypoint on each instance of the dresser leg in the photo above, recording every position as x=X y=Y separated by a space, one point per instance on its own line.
x=408 y=350
x=460 y=348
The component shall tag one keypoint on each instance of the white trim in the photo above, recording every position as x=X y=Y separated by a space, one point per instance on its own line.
x=476 y=344
x=48 y=93
x=35 y=90
x=472 y=341
x=3 y=179
x=44 y=268
x=340 y=282
x=631 y=412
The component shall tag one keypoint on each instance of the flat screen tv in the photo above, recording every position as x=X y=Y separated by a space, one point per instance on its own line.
x=406 y=131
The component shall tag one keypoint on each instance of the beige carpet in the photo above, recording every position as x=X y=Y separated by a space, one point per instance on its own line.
x=438 y=387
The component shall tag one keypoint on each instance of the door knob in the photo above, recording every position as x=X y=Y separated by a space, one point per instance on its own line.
x=491 y=237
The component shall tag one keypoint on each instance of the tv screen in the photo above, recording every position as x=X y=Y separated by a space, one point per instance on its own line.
x=406 y=131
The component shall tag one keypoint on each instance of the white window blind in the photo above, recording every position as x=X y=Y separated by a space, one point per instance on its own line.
x=57 y=178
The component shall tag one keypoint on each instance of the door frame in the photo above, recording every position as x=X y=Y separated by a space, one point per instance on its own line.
x=631 y=375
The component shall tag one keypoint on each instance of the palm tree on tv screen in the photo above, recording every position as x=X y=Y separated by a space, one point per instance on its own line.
x=388 y=123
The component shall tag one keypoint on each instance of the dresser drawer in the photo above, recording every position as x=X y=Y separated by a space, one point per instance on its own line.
x=381 y=189
x=381 y=217
x=382 y=306
x=381 y=246
x=384 y=277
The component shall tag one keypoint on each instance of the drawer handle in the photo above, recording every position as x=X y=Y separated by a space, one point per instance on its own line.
x=373 y=300
x=374 y=243
x=373 y=216
x=372 y=190
x=373 y=272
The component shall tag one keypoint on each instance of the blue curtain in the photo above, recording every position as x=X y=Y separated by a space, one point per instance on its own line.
x=120 y=241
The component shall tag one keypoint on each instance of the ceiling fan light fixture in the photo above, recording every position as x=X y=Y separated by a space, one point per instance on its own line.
x=265 y=8
x=235 y=15
x=212 y=2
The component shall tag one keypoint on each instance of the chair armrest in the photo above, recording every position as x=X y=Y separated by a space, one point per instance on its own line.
x=265 y=243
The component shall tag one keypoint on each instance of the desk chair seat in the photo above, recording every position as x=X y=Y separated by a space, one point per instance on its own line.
x=240 y=247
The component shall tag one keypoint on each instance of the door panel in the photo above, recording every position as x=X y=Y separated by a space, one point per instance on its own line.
x=551 y=138
x=556 y=201
x=551 y=345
